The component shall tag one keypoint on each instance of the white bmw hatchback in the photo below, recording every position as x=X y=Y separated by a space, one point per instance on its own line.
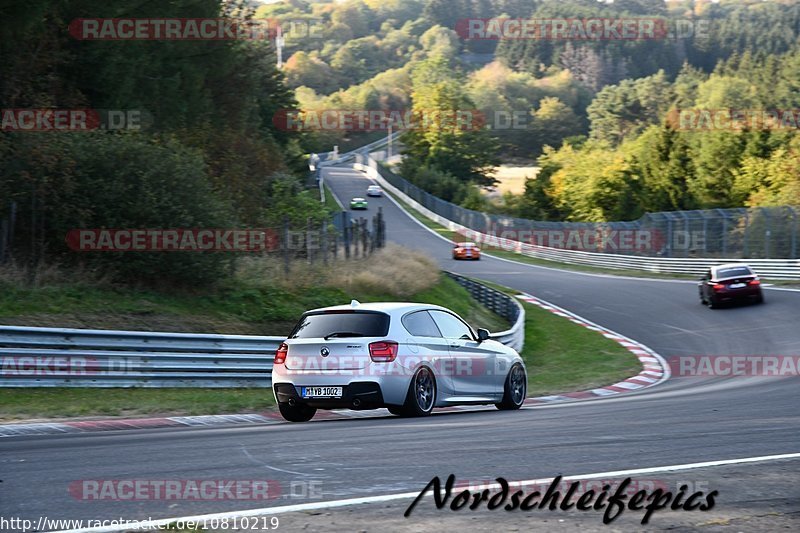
x=406 y=357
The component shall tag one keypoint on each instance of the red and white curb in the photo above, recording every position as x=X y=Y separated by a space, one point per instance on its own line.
x=655 y=369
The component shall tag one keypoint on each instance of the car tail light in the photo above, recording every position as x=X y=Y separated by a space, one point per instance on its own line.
x=754 y=282
x=280 y=355
x=383 y=351
x=718 y=286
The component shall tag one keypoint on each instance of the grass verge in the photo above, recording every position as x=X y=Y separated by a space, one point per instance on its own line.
x=58 y=402
x=330 y=200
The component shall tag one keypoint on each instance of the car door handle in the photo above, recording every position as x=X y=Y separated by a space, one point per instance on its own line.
x=454 y=345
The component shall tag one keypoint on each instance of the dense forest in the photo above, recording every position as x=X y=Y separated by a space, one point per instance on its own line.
x=599 y=112
x=208 y=155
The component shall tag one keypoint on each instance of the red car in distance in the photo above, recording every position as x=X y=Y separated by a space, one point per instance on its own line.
x=466 y=250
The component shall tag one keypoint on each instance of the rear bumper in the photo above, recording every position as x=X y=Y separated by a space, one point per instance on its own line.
x=373 y=387
x=737 y=294
x=356 y=395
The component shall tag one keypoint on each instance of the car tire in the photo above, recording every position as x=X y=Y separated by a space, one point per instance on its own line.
x=760 y=299
x=514 y=390
x=396 y=410
x=297 y=412
x=712 y=303
x=421 y=396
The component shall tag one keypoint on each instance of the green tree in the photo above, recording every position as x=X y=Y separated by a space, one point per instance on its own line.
x=450 y=136
x=624 y=110
x=662 y=159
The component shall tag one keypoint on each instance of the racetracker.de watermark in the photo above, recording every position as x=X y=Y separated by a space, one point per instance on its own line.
x=174 y=489
x=581 y=29
x=173 y=240
x=590 y=240
x=732 y=119
x=68 y=366
x=735 y=366
x=73 y=120
x=194 y=489
x=404 y=365
x=599 y=240
x=194 y=29
x=369 y=120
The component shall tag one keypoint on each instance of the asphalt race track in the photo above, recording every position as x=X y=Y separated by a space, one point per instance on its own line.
x=685 y=420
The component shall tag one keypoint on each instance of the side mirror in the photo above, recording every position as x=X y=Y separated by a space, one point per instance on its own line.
x=483 y=335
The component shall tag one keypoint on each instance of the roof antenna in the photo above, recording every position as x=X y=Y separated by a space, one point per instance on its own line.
x=355 y=303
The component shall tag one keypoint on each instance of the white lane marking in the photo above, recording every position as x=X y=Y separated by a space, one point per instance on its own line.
x=152 y=524
x=782 y=289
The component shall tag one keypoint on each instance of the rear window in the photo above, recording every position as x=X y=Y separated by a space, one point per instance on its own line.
x=345 y=324
x=733 y=272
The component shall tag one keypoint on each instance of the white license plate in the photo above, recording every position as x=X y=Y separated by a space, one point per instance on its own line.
x=321 y=392
x=738 y=285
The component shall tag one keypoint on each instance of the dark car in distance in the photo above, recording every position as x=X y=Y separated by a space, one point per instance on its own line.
x=729 y=283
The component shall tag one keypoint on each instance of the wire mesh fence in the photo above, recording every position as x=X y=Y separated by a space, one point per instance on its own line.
x=754 y=233
x=341 y=237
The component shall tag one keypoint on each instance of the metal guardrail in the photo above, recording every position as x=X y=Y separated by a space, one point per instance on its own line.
x=776 y=269
x=503 y=305
x=54 y=357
